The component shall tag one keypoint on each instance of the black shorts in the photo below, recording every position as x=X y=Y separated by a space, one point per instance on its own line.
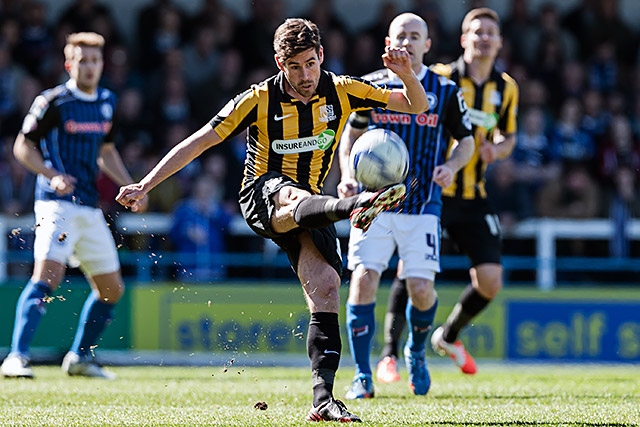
x=474 y=228
x=257 y=207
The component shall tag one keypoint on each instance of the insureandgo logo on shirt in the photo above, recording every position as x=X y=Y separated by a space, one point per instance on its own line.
x=303 y=145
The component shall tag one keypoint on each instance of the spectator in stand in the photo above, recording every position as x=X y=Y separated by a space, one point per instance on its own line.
x=549 y=68
x=363 y=56
x=620 y=147
x=173 y=106
x=322 y=13
x=574 y=81
x=11 y=76
x=578 y=21
x=133 y=117
x=36 y=37
x=254 y=37
x=623 y=203
x=602 y=68
x=444 y=47
x=208 y=97
x=16 y=182
x=26 y=90
x=197 y=231
x=81 y=14
x=569 y=141
x=619 y=167
x=336 y=51
x=610 y=27
x=595 y=117
x=533 y=155
x=119 y=74
x=201 y=57
x=519 y=27
x=164 y=30
x=575 y=195
x=550 y=25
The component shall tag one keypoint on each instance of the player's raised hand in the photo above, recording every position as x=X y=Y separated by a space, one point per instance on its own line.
x=397 y=60
x=132 y=196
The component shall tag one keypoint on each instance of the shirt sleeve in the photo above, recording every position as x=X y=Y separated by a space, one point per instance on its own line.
x=41 y=118
x=457 y=120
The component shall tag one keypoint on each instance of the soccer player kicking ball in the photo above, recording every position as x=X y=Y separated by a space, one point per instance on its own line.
x=294 y=120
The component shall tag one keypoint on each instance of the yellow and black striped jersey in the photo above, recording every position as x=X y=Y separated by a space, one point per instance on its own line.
x=288 y=136
x=492 y=105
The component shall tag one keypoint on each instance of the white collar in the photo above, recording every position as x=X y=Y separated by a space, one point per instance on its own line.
x=72 y=85
x=393 y=78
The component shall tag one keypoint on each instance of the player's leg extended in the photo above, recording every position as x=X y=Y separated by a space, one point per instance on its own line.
x=320 y=283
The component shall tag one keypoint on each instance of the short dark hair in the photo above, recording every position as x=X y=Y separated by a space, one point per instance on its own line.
x=480 y=12
x=294 y=36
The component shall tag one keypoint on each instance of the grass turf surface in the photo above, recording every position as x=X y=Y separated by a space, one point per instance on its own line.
x=499 y=395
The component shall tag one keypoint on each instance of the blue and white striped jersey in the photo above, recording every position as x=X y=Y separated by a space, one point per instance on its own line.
x=426 y=134
x=69 y=127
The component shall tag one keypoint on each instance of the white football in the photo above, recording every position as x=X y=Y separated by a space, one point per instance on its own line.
x=379 y=157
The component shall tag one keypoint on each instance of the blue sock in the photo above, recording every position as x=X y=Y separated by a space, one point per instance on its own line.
x=361 y=324
x=419 y=325
x=94 y=318
x=29 y=310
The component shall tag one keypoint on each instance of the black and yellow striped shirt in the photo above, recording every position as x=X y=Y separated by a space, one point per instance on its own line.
x=492 y=105
x=288 y=136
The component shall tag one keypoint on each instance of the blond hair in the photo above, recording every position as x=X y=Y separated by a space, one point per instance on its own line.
x=480 y=12
x=81 y=39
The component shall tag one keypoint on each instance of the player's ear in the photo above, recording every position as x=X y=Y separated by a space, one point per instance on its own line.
x=67 y=66
x=321 y=54
x=279 y=63
x=427 y=45
x=387 y=41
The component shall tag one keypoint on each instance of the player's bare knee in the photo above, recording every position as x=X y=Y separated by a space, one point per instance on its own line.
x=422 y=293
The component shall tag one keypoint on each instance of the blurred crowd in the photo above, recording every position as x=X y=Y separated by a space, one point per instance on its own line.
x=577 y=154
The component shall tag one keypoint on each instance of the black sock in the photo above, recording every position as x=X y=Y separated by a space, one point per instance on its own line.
x=395 y=320
x=470 y=304
x=323 y=346
x=321 y=211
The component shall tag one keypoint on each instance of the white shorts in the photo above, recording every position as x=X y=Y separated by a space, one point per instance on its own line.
x=417 y=238
x=64 y=229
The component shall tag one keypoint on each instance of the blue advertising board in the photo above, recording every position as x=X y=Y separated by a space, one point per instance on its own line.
x=573 y=331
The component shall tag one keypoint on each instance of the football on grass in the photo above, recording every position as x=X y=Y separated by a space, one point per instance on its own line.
x=379 y=157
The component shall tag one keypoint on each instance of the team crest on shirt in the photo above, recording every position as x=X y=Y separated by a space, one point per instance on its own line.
x=107 y=111
x=432 y=99
x=326 y=113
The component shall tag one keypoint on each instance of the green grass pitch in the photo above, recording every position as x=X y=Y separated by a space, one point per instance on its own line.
x=499 y=395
